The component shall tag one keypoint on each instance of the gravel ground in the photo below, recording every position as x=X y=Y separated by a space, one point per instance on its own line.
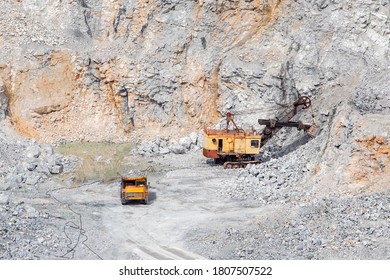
x=350 y=227
x=274 y=220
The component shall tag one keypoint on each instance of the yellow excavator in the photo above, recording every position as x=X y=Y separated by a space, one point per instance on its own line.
x=236 y=148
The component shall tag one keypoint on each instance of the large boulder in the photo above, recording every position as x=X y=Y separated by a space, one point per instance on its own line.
x=186 y=142
x=4 y=199
x=164 y=151
x=176 y=148
x=33 y=151
x=32 y=178
x=56 y=169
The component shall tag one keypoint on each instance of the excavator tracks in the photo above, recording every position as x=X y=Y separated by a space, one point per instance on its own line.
x=239 y=164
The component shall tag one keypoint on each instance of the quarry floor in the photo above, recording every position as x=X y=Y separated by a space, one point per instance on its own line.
x=195 y=211
x=184 y=194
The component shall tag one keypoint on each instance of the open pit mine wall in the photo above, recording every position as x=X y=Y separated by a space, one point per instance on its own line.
x=96 y=70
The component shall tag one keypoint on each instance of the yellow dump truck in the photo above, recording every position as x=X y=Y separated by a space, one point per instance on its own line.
x=134 y=188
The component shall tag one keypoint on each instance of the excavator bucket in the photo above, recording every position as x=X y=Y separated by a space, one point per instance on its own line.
x=312 y=131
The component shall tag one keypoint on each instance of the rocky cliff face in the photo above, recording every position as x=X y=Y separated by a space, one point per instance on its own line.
x=97 y=70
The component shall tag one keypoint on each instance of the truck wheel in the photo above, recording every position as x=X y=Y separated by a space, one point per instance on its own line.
x=123 y=200
x=145 y=201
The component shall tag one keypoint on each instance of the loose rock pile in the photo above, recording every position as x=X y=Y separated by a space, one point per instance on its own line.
x=27 y=233
x=336 y=227
x=164 y=146
x=373 y=96
x=278 y=179
x=31 y=163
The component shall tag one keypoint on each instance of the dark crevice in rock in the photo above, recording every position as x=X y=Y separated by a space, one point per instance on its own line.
x=117 y=19
x=83 y=4
x=87 y=14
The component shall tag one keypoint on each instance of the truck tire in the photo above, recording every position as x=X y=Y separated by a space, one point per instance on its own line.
x=145 y=201
x=123 y=200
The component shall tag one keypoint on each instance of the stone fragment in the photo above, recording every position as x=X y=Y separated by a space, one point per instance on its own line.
x=164 y=151
x=31 y=212
x=32 y=178
x=4 y=199
x=176 y=148
x=33 y=151
x=186 y=142
x=56 y=169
